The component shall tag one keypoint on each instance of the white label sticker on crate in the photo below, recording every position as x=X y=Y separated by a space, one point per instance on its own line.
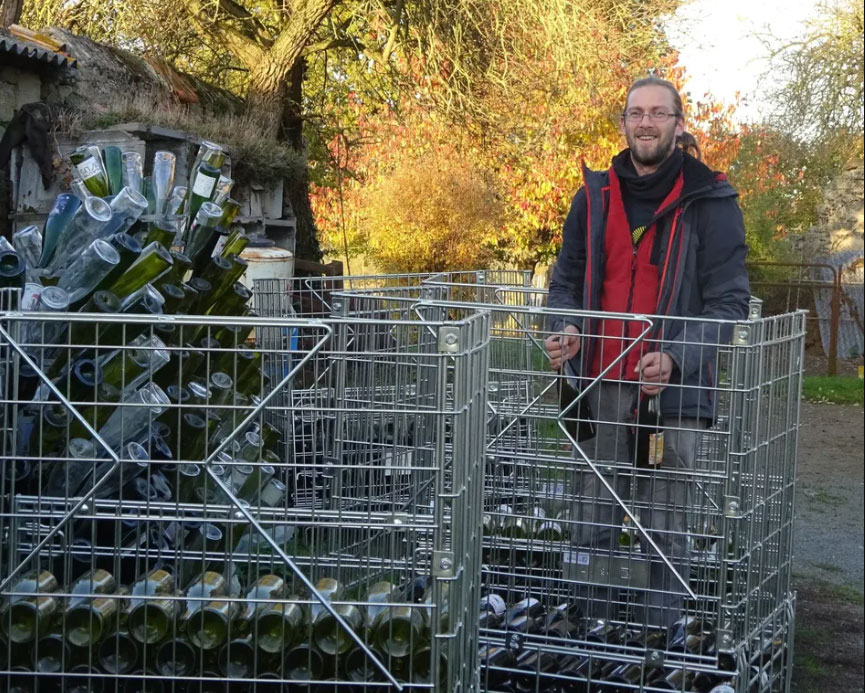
x=578 y=557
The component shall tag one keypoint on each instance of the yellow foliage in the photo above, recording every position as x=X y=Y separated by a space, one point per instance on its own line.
x=434 y=212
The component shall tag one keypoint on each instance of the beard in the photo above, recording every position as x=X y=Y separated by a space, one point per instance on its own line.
x=654 y=152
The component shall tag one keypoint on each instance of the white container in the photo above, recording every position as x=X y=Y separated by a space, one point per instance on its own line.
x=267 y=262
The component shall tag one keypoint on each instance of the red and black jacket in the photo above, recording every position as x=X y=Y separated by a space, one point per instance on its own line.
x=699 y=250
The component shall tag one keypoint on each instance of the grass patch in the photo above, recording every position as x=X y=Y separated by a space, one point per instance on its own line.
x=836 y=389
x=828 y=567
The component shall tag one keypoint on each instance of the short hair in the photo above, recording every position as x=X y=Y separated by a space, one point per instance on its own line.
x=655 y=81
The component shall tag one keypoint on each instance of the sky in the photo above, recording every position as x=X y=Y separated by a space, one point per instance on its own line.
x=719 y=46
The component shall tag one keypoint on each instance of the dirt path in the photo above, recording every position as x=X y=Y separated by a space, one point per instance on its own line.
x=829 y=541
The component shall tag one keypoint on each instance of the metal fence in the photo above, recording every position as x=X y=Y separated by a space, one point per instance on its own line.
x=240 y=503
x=617 y=576
x=835 y=306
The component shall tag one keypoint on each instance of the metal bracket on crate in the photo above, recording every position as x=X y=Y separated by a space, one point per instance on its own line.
x=732 y=507
x=339 y=309
x=742 y=335
x=443 y=564
x=449 y=339
x=724 y=640
x=755 y=308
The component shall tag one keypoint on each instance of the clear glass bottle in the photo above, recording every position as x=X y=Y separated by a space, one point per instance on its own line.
x=127 y=206
x=82 y=277
x=28 y=244
x=88 y=221
x=163 y=178
x=133 y=173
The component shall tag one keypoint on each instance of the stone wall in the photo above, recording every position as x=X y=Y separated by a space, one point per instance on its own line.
x=840 y=218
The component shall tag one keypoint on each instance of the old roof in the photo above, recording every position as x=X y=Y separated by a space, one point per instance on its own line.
x=24 y=52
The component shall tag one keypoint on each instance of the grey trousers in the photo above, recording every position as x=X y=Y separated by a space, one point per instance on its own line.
x=661 y=500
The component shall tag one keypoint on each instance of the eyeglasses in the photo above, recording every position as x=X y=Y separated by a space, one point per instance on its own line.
x=636 y=116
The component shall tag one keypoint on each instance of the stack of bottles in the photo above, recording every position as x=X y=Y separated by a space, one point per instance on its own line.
x=523 y=644
x=210 y=625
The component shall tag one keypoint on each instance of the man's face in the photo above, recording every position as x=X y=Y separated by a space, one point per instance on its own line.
x=651 y=141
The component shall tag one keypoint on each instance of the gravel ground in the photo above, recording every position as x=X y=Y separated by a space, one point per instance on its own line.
x=828 y=548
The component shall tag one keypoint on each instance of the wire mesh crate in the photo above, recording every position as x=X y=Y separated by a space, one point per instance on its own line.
x=667 y=589
x=215 y=504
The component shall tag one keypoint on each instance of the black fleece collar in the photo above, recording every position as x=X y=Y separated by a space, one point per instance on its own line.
x=653 y=187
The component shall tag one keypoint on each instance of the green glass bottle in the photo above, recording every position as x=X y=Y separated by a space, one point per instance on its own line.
x=235 y=243
x=173 y=296
x=153 y=261
x=203 y=297
x=398 y=630
x=202 y=619
x=233 y=302
x=214 y=270
x=237 y=658
x=98 y=413
x=90 y=170
x=87 y=616
x=238 y=268
x=200 y=233
x=131 y=367
x=264 y=592
x=201 y=189
x=193 y=437
x=113 y=161
x=151 y=618
x=188 y=479
x=129 y=250
x=12 y=270
x=160 y=231
x=176 y=274
x=24 y=618
x=176 y=657
x=232 y=336
x=118 y=653
x=278 y=625
x=52 y=654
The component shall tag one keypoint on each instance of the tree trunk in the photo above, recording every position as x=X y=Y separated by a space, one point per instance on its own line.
x=269 y=76
x=297 y=192
x=10 y=12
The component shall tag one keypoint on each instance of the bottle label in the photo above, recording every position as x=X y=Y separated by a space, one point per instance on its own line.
x=220 y=244
x=89 y=168
x=656 y=449
x=203 y=186
x=494 y=603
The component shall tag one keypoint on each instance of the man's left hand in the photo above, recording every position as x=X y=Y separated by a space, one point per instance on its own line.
x=656 y=367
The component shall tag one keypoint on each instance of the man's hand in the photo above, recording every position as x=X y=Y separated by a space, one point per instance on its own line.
x=656 y=367
x=562 y=347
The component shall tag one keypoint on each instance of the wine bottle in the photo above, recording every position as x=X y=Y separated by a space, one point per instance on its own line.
x=28 y=245
x=235 y=243
x=398 y=630
x=150 y=618
x=163 y=179
x=226 y=280
x=176 y=657
x=65 y=207
x=205 y=618
x=52 y=653
x=132 y=170
x=126 y=209
x=87 y=616
x=129 y=368
x=200 y=237
x=90 y=170
x=128 y=249
x=278 y=625
x=233 y=301
x=200 y=190
x=237 y=658
x=67 y=479
x=84 y=275
x=12 y=270
x=24 y=618
x=118 y=653
x=91 y=217
x=160 y=231
x=113 y=161
x=128 y=422
x=173 y=207
x=152 y=262
x=303 y=663
x=222 y=190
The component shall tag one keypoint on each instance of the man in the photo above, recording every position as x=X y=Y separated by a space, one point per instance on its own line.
x=659 y=233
